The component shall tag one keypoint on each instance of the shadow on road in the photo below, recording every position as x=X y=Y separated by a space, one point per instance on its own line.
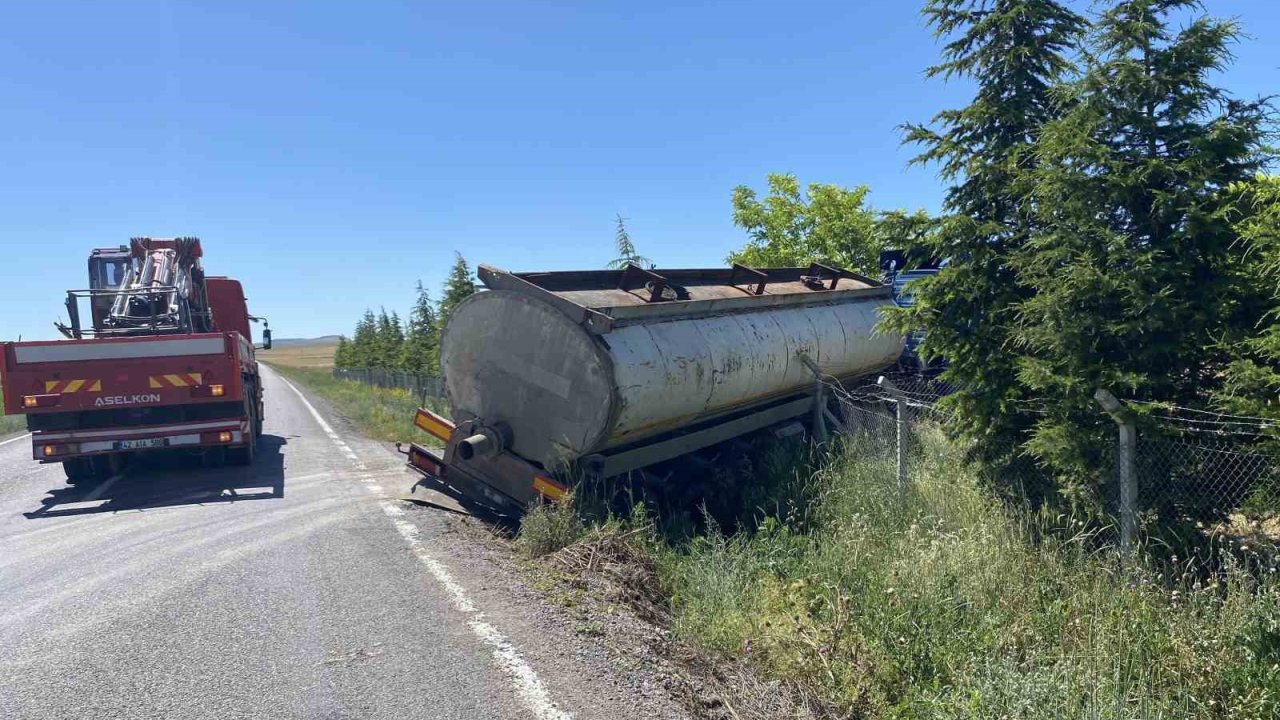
x=166 y=480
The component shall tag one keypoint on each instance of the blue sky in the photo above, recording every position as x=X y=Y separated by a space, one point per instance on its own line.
x=332 y=154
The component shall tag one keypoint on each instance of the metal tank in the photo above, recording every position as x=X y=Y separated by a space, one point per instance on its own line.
x=557 y=366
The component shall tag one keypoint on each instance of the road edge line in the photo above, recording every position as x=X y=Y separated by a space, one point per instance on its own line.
x=14 y=440
x=524 y=679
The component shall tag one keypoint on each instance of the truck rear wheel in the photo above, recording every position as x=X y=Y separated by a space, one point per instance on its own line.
x=81 y=471
x=244 y=454
x=84 y=471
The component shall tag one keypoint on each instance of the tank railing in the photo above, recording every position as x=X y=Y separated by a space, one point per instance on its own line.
x=655 y=284
x=761 y=278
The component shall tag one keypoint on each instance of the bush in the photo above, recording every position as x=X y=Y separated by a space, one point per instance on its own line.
x=548 y=527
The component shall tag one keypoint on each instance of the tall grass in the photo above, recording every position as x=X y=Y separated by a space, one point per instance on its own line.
x=378 y=413
x=935 y=603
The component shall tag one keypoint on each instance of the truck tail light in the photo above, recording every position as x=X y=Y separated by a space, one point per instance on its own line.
x=433 y=424
x=224 y=437
x=57 y=450
x=420 y=459
x=39 y=401
x=209 y=391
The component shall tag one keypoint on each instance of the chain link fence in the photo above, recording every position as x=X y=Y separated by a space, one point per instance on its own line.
x=1191 y=476
x=420 y=386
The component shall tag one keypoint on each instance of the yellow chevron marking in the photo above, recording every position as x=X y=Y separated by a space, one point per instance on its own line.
x=176 y=380
x=195 y=378
x=74 y=386
x=154 y=383
x=49 y=385
x=96 y=386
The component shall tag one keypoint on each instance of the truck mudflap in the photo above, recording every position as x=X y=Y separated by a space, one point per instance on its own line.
x=503 y=482
x=56 y=446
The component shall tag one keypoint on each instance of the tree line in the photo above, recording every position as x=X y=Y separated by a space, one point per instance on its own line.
x=383 y=341
x=1108 y=222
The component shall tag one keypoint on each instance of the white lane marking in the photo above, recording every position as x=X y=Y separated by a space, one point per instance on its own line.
x=14 y=440
x=105 y=486
x=506 y=656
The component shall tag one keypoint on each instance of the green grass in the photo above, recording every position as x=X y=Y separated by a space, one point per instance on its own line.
x=936 y=603
x=10 y=424
x=381 y=414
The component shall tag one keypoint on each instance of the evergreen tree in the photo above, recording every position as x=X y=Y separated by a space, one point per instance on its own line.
x=1252 y=381
x=364 y=341
x=627 y=253
x=342 y=354
x=421 y=352
x=1015 y=51
x=1139 y=274
x=389 y=341
x=460 y=285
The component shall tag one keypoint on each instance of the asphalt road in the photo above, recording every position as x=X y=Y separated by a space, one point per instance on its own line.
x=291 y=589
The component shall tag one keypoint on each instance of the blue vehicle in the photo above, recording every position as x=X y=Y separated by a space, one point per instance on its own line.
x=894 y=263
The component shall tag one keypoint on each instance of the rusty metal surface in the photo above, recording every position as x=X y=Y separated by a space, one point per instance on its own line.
x=532 y=355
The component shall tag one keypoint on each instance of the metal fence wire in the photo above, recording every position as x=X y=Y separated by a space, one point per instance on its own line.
x=1186 y=468
x=421 y=386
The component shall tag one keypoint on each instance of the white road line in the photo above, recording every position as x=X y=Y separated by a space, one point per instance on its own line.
x=105 y=486
x=14 y=440
x=506 y=656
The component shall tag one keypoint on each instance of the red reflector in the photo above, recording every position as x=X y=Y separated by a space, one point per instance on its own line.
x=425 y=463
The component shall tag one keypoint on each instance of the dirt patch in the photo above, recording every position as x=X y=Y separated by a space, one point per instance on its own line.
x=616 y=589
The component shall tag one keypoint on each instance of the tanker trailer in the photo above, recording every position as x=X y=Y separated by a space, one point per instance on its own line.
x=550 y=375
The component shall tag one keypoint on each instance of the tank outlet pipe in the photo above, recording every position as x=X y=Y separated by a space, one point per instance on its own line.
x=486 y=442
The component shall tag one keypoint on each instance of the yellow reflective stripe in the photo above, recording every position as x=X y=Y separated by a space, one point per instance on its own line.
x=74 y=386
x=195 y=378
x=547 y=488
x=154 y=383
x=49 y=385
x=96 y=386
x=432 y=425
x=176 y=380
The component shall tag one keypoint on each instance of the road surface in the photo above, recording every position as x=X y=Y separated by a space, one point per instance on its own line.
x=297 y=588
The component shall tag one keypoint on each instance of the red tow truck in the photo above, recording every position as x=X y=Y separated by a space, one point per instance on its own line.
x=166 y=362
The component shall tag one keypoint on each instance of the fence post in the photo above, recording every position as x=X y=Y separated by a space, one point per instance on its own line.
x=900 y=411
x=1124 y=467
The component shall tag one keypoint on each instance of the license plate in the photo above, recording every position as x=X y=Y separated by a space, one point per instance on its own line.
x=144 y=444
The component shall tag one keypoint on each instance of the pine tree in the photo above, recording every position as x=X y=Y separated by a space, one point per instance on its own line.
x=364 y=342
x=342 y=354
x=421 y=353
x=627 y=253
x=1015 y=51
x=389 y=341
x=1137 y=269
x=460 y=285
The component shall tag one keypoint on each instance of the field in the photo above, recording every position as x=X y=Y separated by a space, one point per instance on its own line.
x=318 y=355
x=379 y=413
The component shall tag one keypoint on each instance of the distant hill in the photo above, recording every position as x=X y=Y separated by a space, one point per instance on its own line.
x=296 y=342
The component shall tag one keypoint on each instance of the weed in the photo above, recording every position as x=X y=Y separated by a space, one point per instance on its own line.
x=935 y=603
